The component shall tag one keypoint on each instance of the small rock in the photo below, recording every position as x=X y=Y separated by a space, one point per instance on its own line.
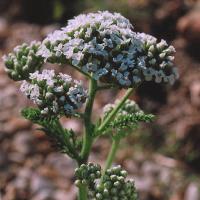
x=63 y=183
x=16 y=124
x=21 y=183
x=23 y=32
x=5 y=116
x=3 y=80
x=17 y=157
x=192 y=192
x=10 y=192
x=22 y=142
x=144 y=184
x=49 y=29
x=130 y=166
x=40 y=183
x=189 y=25
x=34 y=161
x=45 y=194
x=60 y=162
x=25 y=173
x=3 y=28
x=7 y=101
x=70 y=194
x=195 y=93
x=150 y=168
x=3 y=159
x=165 y=176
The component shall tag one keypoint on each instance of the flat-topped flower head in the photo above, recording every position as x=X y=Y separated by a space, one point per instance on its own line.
x=54 y=94
x=22 y=61
x=101 y=43
x=105 y=45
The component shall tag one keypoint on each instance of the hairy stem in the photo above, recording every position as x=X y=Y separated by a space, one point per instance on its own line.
x=111 y=155
x=114 y=111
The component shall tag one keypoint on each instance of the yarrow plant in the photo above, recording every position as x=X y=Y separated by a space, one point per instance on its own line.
x=105 y=49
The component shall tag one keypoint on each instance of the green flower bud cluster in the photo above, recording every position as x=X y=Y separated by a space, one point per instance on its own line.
x=126 y=120
x=22 y=61
x=87 y=174
x=129 y=107
x=115 y=187
x=54 y=94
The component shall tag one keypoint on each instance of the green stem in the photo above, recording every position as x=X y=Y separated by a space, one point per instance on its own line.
x=105 y=87
x=82 y=72
x=111 y=155
x=87 y=144
x=83 y=193
x=88 y=137
x=79 y=69
x=114 y=111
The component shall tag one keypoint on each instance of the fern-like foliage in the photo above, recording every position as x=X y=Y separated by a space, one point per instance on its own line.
x=64 y=140
x=126 y=120
x=125 y=124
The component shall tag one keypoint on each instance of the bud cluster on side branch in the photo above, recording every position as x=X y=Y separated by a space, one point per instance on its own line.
x=113 y=185
x=54 y=94
x=126 y=120
x=22 y=61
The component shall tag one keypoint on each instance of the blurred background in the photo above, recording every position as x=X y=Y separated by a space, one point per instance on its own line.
x=163 y=157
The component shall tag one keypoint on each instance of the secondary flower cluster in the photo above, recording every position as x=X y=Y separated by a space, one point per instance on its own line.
x=23 y=60
x=126 y=120
x=54 y=94
x=105 y=45
x=113 y=185
x=158 y=58
x=129 y=107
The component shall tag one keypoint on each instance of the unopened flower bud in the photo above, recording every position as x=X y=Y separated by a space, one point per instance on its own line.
x=23 y=61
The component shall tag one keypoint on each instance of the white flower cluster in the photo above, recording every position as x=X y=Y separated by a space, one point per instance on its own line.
x=105 y=45
x=158 y=59
x=54 y=94
x=22 y=61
